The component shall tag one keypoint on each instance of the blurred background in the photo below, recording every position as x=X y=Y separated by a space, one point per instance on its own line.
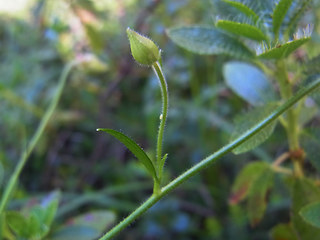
x=92 y=170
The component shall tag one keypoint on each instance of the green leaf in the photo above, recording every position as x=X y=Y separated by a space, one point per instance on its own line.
x=99 y=219
x=204 y=40
x=245 y=179
x=50 y=212
x=284 y=50
x=242 y=29
x=18 y=223
x=279 y=13
x=311 y=214
x=95 y=38
x=283 y=232
x=249 y=120
x=75 y=232
x=134 y=148
x=249 y=82
x=85 y=227
x=304 y=192
x=257 y=198
x=244 y=9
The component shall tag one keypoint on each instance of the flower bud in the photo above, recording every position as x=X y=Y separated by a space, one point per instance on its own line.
x=143 y=50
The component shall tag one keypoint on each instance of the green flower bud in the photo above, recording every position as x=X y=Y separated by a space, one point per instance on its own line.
x=143 y=50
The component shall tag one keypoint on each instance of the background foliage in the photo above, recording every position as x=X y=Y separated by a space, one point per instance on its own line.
x=92 y=180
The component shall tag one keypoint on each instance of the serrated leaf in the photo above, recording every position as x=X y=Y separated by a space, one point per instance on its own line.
x=283 y=232
x=249 y=82
x=311 y=214
x=279 y=13
x=284 y=50
x=249 y=120
x=304 y=192
x=243 y=8
x=204 y=40
x=134 y=148
x=242 y=29
x=257 y=198
x=245 y=179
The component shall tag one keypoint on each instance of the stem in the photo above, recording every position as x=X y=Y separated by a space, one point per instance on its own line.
x=44 y=122
x=210 y=159
x=163 y=117
x=292 y=125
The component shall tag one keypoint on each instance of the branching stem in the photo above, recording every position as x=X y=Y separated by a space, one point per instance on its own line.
x=210 y=159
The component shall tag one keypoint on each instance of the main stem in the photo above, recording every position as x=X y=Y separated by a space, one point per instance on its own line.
x=210 y=159
x=163 y=117
x=44 y=122
x=292 y=125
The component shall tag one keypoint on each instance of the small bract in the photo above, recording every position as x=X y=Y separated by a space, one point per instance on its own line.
x=143 y=50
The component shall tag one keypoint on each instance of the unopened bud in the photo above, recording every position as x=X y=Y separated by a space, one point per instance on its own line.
x=143 y=50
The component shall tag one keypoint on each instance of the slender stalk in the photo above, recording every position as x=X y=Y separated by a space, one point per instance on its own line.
x=292 y=126
x=210 y=159
x=44 y=122
x=163 y=117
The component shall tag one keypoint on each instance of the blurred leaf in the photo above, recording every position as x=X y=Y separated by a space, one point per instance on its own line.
x=36 y=224
x=284 y=50
x=204 y=40
x=279 y=13
x=283 y=232
x=75 y=232
x=243 y=8
x=134 y=148
x=95 y=38
x=246 y=121
x=311 y=214
x=242 y=29
x=249 y=82
x=37 y=229
x=257 y=198
x=99 y=220
x=85 y=227
x=245 y=179
x=304 y=193
x=93 y=64
x=18 y=223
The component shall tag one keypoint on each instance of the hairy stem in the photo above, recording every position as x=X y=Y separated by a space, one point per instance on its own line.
x=210 y=159
x=163 y=117
x=44 y=122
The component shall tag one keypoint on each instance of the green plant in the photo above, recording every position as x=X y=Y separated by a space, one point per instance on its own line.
x=269 y=27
